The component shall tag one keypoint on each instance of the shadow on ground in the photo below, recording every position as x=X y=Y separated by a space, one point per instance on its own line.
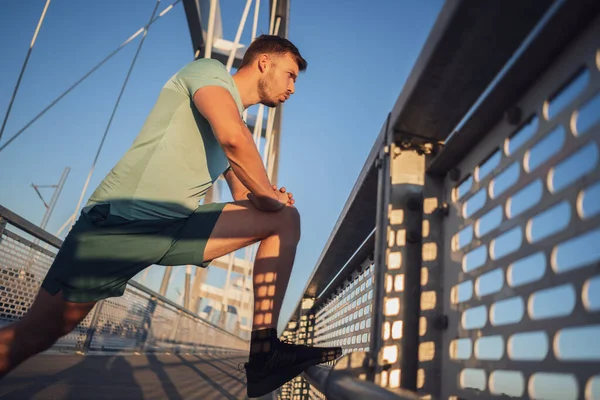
x=147 y=376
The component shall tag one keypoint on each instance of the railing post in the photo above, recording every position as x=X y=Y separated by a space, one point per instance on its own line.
x=173 y=334
x=91 y=331
x=433 y=321
x=395 y=332
x=147 y=325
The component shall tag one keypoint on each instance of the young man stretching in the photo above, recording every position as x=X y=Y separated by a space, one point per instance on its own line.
x=146 y=211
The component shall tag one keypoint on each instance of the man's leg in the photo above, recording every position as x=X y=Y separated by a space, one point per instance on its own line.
x=240 y=225
x=272 y=363
x=49 y=318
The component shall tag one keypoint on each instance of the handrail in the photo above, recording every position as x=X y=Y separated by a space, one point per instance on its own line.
x=34 y=230
x=27 y=226
x=340 y=385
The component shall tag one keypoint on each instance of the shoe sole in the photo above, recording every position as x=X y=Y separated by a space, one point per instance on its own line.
x=273 y=382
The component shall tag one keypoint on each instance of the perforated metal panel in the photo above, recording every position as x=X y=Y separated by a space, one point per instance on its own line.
x=314 y=394
x=345 y=320
x=522 y=286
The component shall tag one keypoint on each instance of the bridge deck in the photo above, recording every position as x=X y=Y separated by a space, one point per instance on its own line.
x=145 y=376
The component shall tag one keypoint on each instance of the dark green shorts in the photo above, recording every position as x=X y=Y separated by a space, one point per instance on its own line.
x=102 y=252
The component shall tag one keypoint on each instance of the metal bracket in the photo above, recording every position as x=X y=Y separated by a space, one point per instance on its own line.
x=442 y=210
x=441 y=323
x=420 y=144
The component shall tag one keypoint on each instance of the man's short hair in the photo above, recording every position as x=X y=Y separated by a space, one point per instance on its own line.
x=271 y=44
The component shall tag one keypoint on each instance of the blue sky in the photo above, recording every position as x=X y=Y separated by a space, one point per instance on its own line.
x=359 y=58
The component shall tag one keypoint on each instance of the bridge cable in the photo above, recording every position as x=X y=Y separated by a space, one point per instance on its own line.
x=12 y=99
x=114 y=52
x=115 y=107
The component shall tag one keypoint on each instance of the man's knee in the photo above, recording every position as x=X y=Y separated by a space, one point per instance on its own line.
x=289 y=223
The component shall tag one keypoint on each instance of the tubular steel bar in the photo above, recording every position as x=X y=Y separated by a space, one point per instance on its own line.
x=26 y=226
x=339 y=385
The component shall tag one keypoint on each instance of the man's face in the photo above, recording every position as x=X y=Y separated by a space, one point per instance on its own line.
x=277 y=82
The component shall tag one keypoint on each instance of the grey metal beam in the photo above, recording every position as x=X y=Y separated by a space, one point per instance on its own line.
x=469 y=44
x=192 y=15
x=194 y=19
x=563 y=22
x=282 y=10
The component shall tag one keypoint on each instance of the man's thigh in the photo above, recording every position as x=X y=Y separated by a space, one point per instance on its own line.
x=217 y=229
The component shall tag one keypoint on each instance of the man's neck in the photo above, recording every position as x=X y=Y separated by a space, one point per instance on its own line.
x=246 y=85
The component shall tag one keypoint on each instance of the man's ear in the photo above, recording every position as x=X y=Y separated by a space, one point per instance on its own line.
x=263 y=62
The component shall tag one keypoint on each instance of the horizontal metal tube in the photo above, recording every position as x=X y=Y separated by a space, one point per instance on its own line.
x=28 y=227
x=340 y=385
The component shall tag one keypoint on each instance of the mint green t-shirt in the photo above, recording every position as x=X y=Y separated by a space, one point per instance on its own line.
x=175 y=158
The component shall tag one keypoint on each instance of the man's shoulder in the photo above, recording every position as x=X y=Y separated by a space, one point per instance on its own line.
x=205 y=66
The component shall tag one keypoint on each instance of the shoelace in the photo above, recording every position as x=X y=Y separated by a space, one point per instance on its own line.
x=279 y=356
x=283 y=356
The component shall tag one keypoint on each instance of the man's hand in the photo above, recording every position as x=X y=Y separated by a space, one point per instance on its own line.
x=283 y=200
x=290 y=196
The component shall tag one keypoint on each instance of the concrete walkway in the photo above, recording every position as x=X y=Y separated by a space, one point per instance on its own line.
x=145 y=376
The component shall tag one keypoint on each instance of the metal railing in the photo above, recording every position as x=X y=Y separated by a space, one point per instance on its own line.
x=140 y=320
x=465 y=262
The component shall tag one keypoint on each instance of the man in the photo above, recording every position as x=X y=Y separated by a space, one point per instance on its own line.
x=146 y=211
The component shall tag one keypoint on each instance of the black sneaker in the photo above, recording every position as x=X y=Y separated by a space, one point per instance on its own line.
x=283 y=363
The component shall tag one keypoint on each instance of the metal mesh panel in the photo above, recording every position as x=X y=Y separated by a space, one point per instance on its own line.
x=22 y=270
x=345 y=320
x=23 y=266
x=201 y=333
x=522 y=289
x=185 y=333
x=123 y=321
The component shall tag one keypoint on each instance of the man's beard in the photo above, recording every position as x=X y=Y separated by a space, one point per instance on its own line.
x=264 y=93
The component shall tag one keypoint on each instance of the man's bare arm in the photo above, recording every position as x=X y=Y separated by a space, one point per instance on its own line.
x=238 y=190
x=218 y=107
